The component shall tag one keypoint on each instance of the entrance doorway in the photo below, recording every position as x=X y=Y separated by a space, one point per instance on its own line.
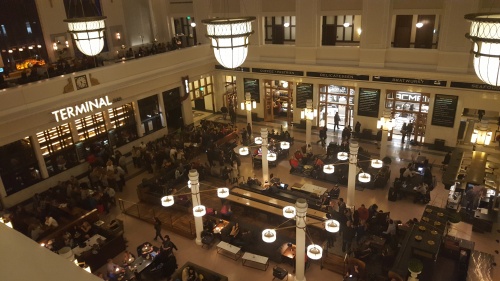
x=408 y=107
x=333 y=99
x=201 y=92
x=278 y=100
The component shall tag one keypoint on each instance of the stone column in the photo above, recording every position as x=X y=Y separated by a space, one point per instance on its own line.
x=195 y=197
x=265 y=163
x=138 y=121
x=44 y=173
x=309 y=113
x=161 y=107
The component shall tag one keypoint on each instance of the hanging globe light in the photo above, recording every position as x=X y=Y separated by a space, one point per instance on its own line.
x=377 y=163
x=332 y=226
x=244 y=151
x=199 y=211
x=285 y=145
x=258 y=140
x=314 y=252
x=229 y=39
x=167 y=201
x=269 y=235
x=222 y=192
x=342 y=156
x=271 y=156
x=289 y=212
x=364 y=177
x=328 y=169
x=485 y=36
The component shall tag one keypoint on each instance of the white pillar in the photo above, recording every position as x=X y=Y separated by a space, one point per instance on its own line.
x=265 y=163
x=353 y=168
x=248 y=108
x=39 y=157
x=385 y=133
x=138 y=121
x=300 y=239
x=195 y=197
x=163 y=114
x=308 y=114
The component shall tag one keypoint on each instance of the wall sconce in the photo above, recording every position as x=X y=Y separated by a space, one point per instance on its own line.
x=54 y=46
x=118 y=36
x=419 y=24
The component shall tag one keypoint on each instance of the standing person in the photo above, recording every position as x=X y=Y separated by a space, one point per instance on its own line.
x=168 y=245
x=357 y=128
x=404 y=129
x=336 y=121
x=249 y=131
x=347 y=236
x=322 y=135
x=480 y=114
x=409 y=130
x=158 y=229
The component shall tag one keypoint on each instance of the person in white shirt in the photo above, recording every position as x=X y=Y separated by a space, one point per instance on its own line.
x=51 y=222
x=391 y=228
x=173 y=154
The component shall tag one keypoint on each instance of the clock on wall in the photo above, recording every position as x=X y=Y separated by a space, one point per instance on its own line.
x=81 y=82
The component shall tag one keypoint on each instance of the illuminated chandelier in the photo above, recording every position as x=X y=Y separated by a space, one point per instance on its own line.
x=87 y=31
x=229 y=39
x=485 y=35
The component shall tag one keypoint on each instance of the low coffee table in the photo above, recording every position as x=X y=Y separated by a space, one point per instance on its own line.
x=228 y=250
x=255 y=261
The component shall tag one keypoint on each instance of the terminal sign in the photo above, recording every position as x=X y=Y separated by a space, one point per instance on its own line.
x=86 y=107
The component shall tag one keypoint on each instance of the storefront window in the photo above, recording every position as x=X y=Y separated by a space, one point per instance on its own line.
x=123 y=121
x=201 y=92
x=56 y=145
x=408 y=107
x=278 y=100
x=18 y=166
x=90 y=126
x=150 y=114
x=333 y=99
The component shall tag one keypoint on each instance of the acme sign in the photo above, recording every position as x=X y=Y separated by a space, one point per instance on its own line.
x=86 y=107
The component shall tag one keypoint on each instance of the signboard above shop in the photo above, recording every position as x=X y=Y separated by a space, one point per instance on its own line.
x=240 y=69
x=338 y=76
x=278 y=71
x=412 y=81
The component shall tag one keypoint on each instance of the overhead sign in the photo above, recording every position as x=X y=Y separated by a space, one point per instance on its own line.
x=279 y=72
x=412 y=81
x=474 y=86
x=86 y=107
x=242 y=69
x=338 y=76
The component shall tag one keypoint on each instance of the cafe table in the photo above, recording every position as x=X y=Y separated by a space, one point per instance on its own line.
x=89 y=243
x=309 y=188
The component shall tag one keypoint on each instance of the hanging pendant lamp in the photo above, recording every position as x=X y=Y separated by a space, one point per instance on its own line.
x=87 y=31
x=229 y=39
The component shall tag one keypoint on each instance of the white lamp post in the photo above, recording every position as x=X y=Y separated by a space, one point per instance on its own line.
x=300 y=238
x=229 y=39
x=385 y=123
x=195 y=196
x=265 y=163
x=351 y=180
x=308 y=114
x=247 y=105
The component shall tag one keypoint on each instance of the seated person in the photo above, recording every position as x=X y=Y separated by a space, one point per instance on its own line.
x=51 y=222
x=113 y=269
x=364 y=251
x=391 y=229
x=295 y=165
x=128 y=258
x=235 y=230
x=298 y=155
x=409 y=172
x=318 y=163
x=421 y=190
x=86 y=229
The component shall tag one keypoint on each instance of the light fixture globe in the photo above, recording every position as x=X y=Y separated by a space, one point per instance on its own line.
x=244 y=151
x=223 y=192
x=289 y=212
x=342 y=156
x=269 y=235
x=88 y=33
x=364 y=177
x=332 y=226
x=258 y=140
x=328 y=169
x=199 y=211
x=285 y=145
x=167 y=201
x=314 y=252
x=377 y=163
x=229 y=39
x=485 y=35
x=271 y=156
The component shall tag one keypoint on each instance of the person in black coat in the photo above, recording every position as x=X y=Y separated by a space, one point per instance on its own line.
x=158 y=229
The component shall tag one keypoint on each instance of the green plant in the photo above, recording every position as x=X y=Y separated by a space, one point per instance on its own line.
x=454 y=217
x=415 y=265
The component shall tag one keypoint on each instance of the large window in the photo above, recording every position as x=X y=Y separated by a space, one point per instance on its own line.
x=415 y=31
x=280 y=30
x=201 y=92
x=185 y=31
x=123 y=123
x=341 y=30
x=90 y=126
x=150 y=114
x=56 y=145
x=18 y=166
x=333 y=99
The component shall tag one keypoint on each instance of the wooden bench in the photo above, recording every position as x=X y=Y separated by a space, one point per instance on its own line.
x=228 y=138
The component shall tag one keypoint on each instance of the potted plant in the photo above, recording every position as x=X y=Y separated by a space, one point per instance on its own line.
x=415 y=266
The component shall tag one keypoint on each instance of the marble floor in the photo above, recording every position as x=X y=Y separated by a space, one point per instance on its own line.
x=137 y=231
